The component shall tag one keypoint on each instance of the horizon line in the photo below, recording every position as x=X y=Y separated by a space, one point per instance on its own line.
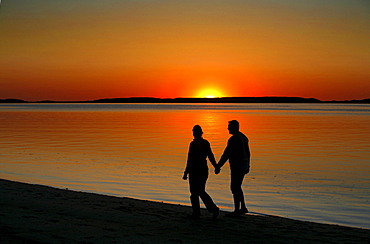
x=146 y=99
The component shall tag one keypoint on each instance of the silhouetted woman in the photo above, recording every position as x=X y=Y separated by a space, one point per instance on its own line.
x=197 y=169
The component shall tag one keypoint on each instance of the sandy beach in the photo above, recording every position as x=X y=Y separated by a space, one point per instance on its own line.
x=42 y=214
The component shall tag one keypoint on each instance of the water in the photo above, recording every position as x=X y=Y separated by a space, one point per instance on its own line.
x=309 y=161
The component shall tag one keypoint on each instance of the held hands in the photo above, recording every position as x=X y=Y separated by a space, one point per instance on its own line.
x=217 y=169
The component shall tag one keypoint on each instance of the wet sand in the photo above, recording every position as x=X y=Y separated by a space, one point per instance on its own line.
x=42 y=214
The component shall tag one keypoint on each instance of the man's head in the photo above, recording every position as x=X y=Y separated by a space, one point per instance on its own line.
x=197 y=131
x=233 y=126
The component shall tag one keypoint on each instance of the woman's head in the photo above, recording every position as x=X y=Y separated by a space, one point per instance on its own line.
x=197 y=131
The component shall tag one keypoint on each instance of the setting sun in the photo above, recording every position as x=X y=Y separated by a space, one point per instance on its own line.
x=210 y=93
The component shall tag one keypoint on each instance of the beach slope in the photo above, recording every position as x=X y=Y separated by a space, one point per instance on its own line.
x=42 y=214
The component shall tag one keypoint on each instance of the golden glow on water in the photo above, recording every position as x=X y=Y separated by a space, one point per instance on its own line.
x=308 y=164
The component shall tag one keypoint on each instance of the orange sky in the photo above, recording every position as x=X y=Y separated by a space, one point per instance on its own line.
x=83 y=50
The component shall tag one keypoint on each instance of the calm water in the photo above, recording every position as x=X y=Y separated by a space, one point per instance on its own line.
x=309 y=161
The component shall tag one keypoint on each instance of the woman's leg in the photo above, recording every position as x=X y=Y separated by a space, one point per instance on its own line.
x=206 y=198
x=194 y=194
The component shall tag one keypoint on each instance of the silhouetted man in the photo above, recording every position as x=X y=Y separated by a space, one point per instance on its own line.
x=197 y=169
x=238 y=154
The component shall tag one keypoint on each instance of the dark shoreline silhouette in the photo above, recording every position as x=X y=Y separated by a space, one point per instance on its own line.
x=42 y=214
x=196 y=100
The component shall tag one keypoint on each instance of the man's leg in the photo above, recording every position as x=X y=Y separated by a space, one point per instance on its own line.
x=236 y=189
x=236 y=202
x=243 y=207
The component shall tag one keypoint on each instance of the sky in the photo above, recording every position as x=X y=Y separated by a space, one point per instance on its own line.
x=88 y=49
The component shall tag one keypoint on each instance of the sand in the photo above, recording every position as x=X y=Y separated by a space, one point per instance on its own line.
x=42 y=214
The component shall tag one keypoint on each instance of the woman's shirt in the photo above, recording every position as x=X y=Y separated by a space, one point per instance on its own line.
x=199 y=150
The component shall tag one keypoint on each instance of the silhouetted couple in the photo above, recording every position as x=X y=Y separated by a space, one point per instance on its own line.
x=238 y=154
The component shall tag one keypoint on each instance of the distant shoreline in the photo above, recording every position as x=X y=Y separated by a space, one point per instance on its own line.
x=197 y=100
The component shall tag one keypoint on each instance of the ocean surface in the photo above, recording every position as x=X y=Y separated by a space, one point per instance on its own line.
x=309 y=161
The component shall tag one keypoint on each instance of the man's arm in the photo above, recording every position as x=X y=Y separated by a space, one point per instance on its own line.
x=246 y=150
x=226 y=155
x=221 y=163
x=224 y=158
